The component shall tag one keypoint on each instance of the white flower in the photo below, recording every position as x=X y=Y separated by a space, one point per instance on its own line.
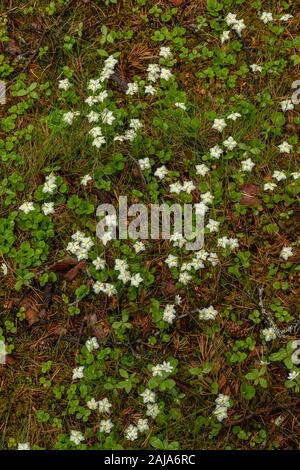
x=165 y=52
x=96 y=131
x=136 y=280
x=286 y=17
x=230 y=143
x=76 y=437
x=150 y=90
x=256 y=68
x=104 y=405
x=207 y=197
x=49 y=185
x=84 y=181
x=234 y=116
x=231 y=19
x=220 y=413
x=171 y=261
x=269 y=334
x=98 y=141
x=201 y=208
x=287 y=105
x=161 y=172
x=213 y=259
x=279 y=175
x=69 y=116
x=64 y=84
x=270 y=186
x=48 y=208
x=180 y=105
x=286 y=252
x=138 y=247
x=78 y=373
x=104 y=287
x=131 y=433
x=99 y=263
x=148 y=396
x=4 y=269
x=27 y=207
x=184 y=278
x=135 y=124
x=106 y=426
x=169 y=313
x=202 y=169
x=216 y=151
x=23 y=446
x=247 y=165
x=92 y=344
x=285 y=147
x=293 y=375
x=178 y=299
x=239 y=26
x=176 y=188
x=160 y=368
x=208 y=313
x=132 y=89
x=93 y=116
x=295 y=175
x=152 y=410
x=225 y=36
x=107 y=117
x=92 y=404
x=223 y=400
x=219 y=124
x=165 y=74
x=266 y=17
x=213 y=225
x=225 y=242
x=142 y=425
x=178 y=239
x=144 y=163
x=188 y=187
x=94 y=85
x=153 y=72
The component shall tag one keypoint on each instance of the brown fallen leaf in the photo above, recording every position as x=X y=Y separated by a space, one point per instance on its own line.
x=249 y=195
x=72 y=273
x=32 y=316
x=63 y=265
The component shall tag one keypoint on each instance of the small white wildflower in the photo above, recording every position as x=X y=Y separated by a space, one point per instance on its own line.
x=92 y=404
x=4 y=269
x=266 y=17
x=150 y=90
x=286 y=252
x=230 y=143
x=279 y=175
x=106 y=426
x=152 y=410
x=295 y=175
x=269 y=334
x=247 y=165
x=107 y=117
x=144 y=163
x=27 y=207
x=171 y=261
x=142 y=425
x=293 y=375
x=78 y=373
x=202 y=169
x=213 y=225
x=104 y=405
x=48 y=208
x=286 y=17
x=220 y=413
x=169 y=313
x=99 y=263
x=216 y=152
x=256 y=68
x=23 y=446
x=219 y=125
x=180 y=105
x=136 y=280
x=138 y=247
x=165 y=52
x=76 y=437
x=148 y=396
x=161 y=172
x=84 y=181
x=285 y=147
x=234 y=116
x=64 y=84
x=132 y=89
x=286 y=105
x=131 y=433
x=208 y=313
x=225 y=36
x=165 y=74
x=270 y=186
x=92 y=344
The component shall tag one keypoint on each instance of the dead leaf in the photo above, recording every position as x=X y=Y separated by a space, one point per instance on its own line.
x=63 y=265
x=72 y=273
x=32 y=316
x=249 y=198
